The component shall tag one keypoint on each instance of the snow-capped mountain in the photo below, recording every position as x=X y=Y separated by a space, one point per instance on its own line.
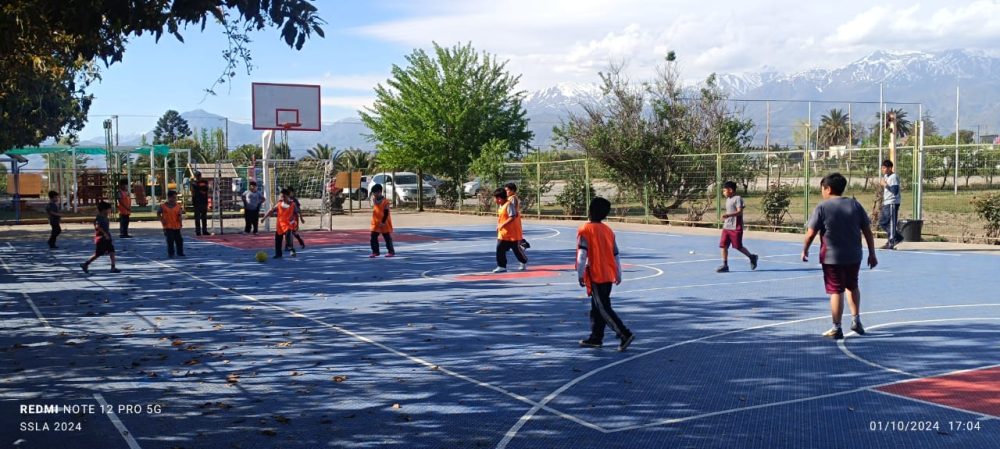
x=909 y=79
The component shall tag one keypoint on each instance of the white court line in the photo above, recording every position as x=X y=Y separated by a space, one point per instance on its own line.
x=117 y=423
x=547 y=399
x=386 y=348
x=716 y=259
x=31 y=303
x=930 y=253
x=842 y=344
x=718 y=284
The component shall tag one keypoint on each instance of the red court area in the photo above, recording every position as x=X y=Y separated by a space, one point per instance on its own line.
x=976 y=391
x=312 y=238
x=539 y=271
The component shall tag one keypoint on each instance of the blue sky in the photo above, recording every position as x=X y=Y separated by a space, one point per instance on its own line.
x=547 y=42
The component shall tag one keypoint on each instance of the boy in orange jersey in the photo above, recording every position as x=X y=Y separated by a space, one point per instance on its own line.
x=508 y=232
x=124 y=209
x=171 y=216
x=597 y=266
x=381 y=222
x=511 y=190
x=284 y=209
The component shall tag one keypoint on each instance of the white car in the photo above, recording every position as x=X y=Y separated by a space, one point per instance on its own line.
x=403 y=185
x=473 y=187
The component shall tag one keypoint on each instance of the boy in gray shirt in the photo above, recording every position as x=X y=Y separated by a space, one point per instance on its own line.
x=889 y=216
x=732 y=228
x=52 y=210
x=840 y=223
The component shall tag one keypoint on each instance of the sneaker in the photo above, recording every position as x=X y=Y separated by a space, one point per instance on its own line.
x=886 y=246
x=372 y=255
x=590 y=343
x=302 y=246
x=522 y=267
x=294 y=254
x=857 y=327
x=835 y=333
x=390 y=255
x=753 y=261
x=126 y=236
x=499 y=270
x=115 y=270
x=625 y=342
x=84 y=267
x=722 y=269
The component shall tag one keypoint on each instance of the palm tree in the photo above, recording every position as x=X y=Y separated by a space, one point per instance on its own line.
x=319 y=152
x=360 y=160
x=834 y=128
x=903 y=126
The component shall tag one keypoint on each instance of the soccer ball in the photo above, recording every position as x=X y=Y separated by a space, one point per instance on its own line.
x=261 y=256
x=690 y=252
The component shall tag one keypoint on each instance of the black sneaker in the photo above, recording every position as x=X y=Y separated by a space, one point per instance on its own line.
x=722 y=269
x=84 y=267
x=588 y=343
x=115 y=270
x=835 y=333
x=886 y=246
x=753 y=261
x=625 y=342
x=857 y=328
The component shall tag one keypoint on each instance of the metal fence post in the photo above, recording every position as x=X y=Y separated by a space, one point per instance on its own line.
x=538 y=187
x=805 y=184
x=718 y=183
x=586 y=177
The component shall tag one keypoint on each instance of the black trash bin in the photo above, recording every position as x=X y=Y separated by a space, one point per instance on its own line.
x=911 y=229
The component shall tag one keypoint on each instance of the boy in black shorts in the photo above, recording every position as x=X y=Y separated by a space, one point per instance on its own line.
x=102 y=238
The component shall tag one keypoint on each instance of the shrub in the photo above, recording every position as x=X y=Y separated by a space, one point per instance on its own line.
x=448 y=193
x=988 y=208
x=775 y=204
x=573 y=198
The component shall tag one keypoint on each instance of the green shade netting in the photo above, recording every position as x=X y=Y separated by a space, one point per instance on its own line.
x=158 y=150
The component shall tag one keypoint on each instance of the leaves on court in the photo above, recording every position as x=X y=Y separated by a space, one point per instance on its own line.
x=339 y=378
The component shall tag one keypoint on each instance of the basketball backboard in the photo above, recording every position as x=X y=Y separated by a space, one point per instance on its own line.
x=293 y=107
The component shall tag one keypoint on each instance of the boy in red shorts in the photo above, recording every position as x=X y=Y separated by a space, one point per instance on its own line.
x=732 y=228
x=840 y=223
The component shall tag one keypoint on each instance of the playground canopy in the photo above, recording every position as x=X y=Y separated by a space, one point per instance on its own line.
x=158 y=150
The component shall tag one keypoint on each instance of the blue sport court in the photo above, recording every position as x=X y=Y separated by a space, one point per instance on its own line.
x=429 y=349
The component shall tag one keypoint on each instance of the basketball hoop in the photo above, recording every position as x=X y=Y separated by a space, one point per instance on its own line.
x=288 y=126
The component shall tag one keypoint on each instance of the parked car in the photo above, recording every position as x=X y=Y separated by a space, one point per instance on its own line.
x=473 y=187
x=432 y=181
x=358 y=192
x=403 y=186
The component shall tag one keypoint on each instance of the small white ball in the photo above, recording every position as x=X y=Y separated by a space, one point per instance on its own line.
x=690 y=252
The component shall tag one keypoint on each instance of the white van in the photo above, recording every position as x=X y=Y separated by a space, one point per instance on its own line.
x=404 y=186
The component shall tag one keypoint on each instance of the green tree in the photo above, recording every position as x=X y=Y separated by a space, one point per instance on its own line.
x=243 y=154
x=652 y=137
x=170 y=127
x=834 y=128
x=439 y=111
x=50 y=50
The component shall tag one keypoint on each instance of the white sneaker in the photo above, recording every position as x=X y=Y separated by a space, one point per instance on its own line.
x=522 y=267
x=499 y=270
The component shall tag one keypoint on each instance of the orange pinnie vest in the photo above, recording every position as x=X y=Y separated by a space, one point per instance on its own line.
x=286 y=215
x=171 y=217
x=510 y=231
x=124 y=203
x=601 y=265
x=379 y=209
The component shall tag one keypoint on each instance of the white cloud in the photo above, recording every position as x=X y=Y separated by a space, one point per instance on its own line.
x=569 y=41
x=351 y=102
